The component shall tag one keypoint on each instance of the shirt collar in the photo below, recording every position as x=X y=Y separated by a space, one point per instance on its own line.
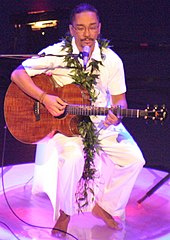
x=96 y=54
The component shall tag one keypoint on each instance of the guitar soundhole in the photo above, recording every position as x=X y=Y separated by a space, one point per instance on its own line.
x=85 y=95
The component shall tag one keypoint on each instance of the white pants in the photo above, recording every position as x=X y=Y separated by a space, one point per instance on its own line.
x=119 y=165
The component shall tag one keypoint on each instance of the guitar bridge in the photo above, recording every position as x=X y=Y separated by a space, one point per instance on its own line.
x=37 y=110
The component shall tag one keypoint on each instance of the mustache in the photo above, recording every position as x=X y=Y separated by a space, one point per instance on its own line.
x=87 y=39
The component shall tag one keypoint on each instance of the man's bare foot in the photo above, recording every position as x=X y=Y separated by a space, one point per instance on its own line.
x=99 y=212
x=61 y=224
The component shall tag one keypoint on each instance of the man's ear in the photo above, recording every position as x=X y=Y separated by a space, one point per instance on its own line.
x=71 y=30
x=99 y=28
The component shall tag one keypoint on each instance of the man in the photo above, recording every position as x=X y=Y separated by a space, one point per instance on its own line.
x=121 y=160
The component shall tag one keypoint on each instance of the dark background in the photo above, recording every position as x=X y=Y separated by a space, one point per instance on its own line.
x=139 y=31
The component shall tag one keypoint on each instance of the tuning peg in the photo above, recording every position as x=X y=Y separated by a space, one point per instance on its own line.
x=155 y=106
x=164 y=112
x=146 y=110
x=147 y=107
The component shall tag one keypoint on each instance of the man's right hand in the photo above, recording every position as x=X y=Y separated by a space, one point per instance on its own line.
x=54 y=104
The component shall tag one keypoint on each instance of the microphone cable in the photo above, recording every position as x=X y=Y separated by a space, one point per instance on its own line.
x=6 y=199
x=10 y=230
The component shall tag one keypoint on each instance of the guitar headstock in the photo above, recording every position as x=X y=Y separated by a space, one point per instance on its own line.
x=156 y=113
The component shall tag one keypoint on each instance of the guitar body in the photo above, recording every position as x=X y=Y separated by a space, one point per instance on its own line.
x=30 y=122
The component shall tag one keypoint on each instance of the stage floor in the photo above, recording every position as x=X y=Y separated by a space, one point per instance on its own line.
x=24 y=216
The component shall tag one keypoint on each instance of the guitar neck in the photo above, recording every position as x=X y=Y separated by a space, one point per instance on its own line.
x=84 y=110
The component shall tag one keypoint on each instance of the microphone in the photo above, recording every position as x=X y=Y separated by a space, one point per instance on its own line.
x=85 y=55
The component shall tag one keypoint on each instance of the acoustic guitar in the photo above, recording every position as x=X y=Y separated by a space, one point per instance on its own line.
x=30 y=122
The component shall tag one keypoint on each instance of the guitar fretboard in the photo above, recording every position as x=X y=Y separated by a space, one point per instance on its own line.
x=84 y=110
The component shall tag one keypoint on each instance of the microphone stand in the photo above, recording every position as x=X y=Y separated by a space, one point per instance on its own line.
x=153 y=189
x=25 y=56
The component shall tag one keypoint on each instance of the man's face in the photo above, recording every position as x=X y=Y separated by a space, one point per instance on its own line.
x=85 y=29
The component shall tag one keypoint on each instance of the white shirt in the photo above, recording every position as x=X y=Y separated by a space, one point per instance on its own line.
x=111 y=80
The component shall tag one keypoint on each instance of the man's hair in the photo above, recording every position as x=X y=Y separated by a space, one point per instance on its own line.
x=83 y=7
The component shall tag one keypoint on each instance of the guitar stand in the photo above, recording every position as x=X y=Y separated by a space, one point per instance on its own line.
x=150 y=192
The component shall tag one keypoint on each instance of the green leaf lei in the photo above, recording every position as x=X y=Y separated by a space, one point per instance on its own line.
x=87 y=129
